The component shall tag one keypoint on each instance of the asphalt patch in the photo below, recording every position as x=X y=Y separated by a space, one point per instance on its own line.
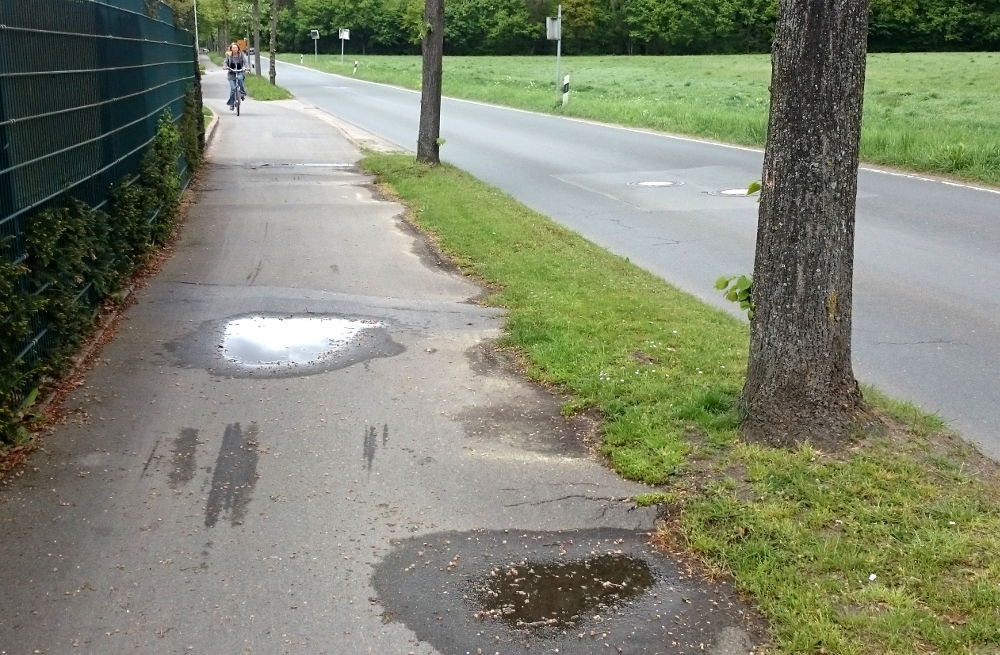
x=580 y=591
x=533 y=421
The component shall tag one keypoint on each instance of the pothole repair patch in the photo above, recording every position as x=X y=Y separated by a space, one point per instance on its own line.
x=580 y=591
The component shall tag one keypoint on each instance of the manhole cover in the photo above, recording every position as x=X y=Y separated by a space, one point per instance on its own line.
x=655 y=183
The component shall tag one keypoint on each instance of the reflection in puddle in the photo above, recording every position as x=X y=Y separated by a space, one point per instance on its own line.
x=557 y=595
x=267 y=341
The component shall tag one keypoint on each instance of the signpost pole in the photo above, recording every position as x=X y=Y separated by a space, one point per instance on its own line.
x=553 y=32
x=558 y=47
x=345 y=35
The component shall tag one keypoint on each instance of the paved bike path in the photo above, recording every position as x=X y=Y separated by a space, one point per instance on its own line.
x=401 y=490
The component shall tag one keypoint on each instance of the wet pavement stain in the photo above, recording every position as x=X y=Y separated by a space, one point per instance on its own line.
x=234 y=476
x=276 y=346
x=371 y=444
x=535 y=422
x=369 y=448
x=554 y=595
x=183 y=461
x=149 y=460
x=441 y=586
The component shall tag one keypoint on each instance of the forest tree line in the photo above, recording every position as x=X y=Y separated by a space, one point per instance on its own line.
x=613 y=27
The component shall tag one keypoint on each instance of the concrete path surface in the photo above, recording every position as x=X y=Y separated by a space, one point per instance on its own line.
x=301 y=440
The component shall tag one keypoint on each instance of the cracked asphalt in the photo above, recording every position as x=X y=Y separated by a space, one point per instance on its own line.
x=387 y=502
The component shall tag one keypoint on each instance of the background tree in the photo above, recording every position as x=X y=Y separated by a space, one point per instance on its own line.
x=256 y=37
x=800 y=384
x=272 y=73
x=429 y=133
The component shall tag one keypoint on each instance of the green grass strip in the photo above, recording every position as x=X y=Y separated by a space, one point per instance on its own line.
x=893 y=547
x=930 y=112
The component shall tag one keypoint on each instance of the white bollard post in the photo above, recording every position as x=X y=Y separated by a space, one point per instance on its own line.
x=565 y=91
x=355 y=67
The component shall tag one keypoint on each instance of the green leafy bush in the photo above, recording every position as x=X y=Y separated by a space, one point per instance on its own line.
x=77 y=255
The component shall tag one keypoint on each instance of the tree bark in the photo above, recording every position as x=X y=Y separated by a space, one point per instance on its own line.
x=256 y=37
x=430 y=91
x=800 y=383
x=272 y=73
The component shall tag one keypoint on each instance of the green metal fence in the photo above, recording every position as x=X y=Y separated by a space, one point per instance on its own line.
x=83 y=84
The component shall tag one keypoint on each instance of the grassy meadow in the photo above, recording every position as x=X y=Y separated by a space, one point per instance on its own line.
x=929 y=112
x=891 y=546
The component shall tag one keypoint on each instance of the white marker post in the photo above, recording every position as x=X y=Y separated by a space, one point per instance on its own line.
x=553 y=32
x=565 y=91
x=345 y=35
x=355 y=67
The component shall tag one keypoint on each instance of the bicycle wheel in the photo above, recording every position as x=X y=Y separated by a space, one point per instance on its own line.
x=236 y=101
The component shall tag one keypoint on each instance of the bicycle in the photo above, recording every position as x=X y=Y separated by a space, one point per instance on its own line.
x=240 y=90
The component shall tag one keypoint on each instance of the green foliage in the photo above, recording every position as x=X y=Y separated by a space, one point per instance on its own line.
x=76 y=255
x=517 y=27
x=190 y=129
x=158 y=174
x=260 y=88
x=16 y=309
x=737 y=289
x=654 y=498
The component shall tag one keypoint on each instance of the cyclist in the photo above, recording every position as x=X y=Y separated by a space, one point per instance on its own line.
x=235 y=64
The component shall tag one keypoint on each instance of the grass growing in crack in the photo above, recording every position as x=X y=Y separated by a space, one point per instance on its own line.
x=931 y=112
x=892 y=547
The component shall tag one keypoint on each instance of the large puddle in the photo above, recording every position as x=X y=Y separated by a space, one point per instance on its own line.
x=289 y=345
x=268 y=341
x=561 y=594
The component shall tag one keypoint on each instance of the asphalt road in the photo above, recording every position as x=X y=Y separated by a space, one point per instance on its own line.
x=927 y=264
x=301 y=441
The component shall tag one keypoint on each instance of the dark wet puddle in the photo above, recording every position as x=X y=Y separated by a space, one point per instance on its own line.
x=559 y=594
x=586 y=592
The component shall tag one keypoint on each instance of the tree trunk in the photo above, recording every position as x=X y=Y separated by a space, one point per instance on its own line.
x=256 y=37
x=800 y=384
x=274 y=39
x=430 y=91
